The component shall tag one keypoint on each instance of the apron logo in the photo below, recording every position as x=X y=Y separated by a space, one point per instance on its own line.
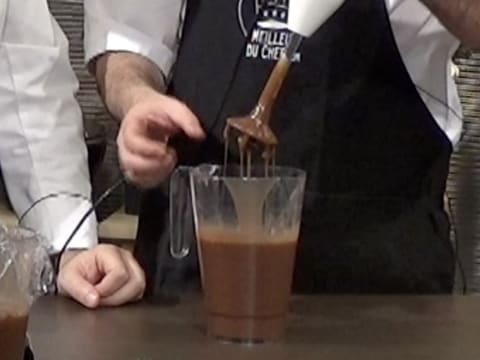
x=272 y=14
x=270 y=35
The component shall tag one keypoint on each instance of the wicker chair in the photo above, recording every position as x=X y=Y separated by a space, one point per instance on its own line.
x=463 y=188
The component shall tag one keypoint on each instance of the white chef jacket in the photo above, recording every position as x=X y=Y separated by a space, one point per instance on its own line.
x=151 y=28
x=42 y=147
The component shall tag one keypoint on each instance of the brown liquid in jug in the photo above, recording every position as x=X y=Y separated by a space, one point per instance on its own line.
x=247 y=280
x=12 y=336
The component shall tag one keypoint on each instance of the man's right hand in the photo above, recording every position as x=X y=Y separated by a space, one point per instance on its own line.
x=145 y=156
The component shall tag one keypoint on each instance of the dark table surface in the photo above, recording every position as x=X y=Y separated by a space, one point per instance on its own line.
x=321 y=327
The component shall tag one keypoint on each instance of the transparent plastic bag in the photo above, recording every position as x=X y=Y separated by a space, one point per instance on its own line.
x=25 y=268
x=25 y=274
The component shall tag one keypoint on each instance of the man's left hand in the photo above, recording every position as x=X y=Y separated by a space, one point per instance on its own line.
x=104 y=276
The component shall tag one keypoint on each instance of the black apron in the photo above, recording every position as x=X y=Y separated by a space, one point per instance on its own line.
x=351 y=117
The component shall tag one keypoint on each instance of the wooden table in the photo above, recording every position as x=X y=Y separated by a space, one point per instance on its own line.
x=323 y=327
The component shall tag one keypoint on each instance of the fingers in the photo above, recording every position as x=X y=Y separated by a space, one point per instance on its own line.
x=123 y=281
x=106 y=276
x=142 y=142
x=141 y=166
x=152 y=146
x=74 y=281
x=147 y=172
x=133 y=289
x=116 y=274
x=168 y=114
x=181 y=116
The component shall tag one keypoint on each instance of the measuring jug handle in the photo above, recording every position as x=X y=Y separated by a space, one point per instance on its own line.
x=180 y=212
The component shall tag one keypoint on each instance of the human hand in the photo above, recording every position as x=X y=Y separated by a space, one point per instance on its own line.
x=104 y=276
x=145 y=155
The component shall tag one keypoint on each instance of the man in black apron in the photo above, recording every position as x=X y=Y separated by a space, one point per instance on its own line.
x=349 y=115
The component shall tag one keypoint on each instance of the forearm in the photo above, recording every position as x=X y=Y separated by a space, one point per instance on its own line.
x=42 y=147
x=123 y=78
x=461 y=17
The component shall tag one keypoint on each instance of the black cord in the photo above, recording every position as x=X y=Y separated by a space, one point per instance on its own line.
x=57 y=257
x=456 y=252
x=441 y=102
x=49 y=196
x=100 y=199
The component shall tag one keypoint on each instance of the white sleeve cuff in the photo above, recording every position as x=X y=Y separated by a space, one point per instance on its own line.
x=103 y=35
x=56 y=218
x=85 y=238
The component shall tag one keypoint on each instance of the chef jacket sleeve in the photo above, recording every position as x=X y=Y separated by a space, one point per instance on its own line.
x=147 y=27
x=42 y=147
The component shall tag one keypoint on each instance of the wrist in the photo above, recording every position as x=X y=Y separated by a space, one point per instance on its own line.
x=59 y=260
x=69 y=255
x=137 y=93
x=125 y=79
